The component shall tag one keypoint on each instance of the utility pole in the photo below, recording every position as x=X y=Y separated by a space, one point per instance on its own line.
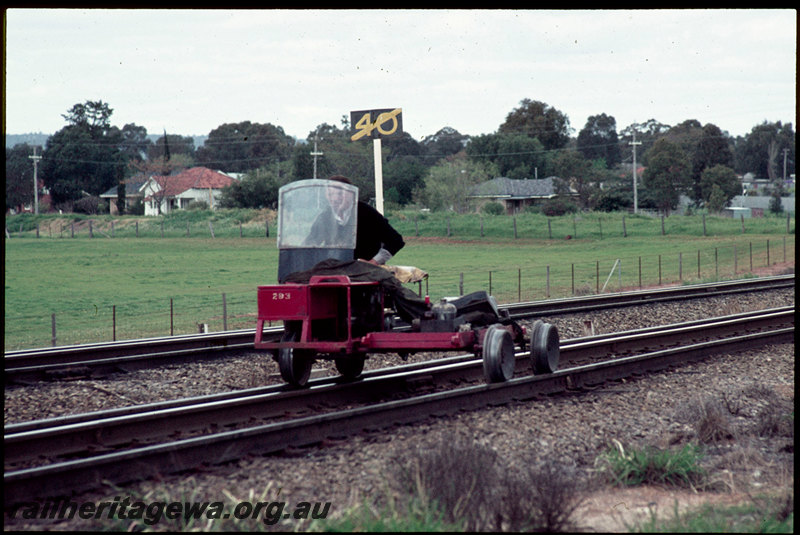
x=635 y=194
x=315 y=154
x=35 y=159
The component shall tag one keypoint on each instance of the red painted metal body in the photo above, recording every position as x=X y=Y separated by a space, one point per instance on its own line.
x=323 y=312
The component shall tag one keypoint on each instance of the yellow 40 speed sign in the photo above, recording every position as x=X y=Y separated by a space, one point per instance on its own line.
x=376 y=124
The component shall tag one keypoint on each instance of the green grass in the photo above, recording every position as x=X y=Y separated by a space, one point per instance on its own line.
x=84 y=281
x=632 y=467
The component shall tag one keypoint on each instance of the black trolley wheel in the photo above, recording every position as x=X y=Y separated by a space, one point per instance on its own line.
x=544 y=348
x=498 y=355
x=350 y=367
x=294 y=364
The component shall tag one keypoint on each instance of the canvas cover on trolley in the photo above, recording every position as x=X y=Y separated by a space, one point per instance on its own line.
x=316 y=221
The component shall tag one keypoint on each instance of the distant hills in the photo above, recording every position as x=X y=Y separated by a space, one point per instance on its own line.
x=40 y=139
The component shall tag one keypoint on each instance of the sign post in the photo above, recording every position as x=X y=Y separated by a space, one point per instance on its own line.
x=377 y=124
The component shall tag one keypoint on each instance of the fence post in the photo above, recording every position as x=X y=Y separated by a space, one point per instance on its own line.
x=662 y=225
x=767 y=253
x=549 y=230
x=640 y=272
x=448 y=226
x=91 y=233
x=784 y=248
x=37 y=230
x=597 y=278
x=519 y=284
x=416 y=227
x=171 y=319
x=481 y=227
x=461 y=283
x=211 y=228
x=704 y=224
x=53 y=329
x=600 y=224
x=741 y=217
x=659 y=270
x=112 y=229
x=240 y=229
x=788 y=217
x=735 y=260
x=680 y=267
x=624 y=230
x=266 y=225
x=574 y=228
x=137 y=229
x=72 y=229
x=113 y=323
x=490 y=283
x=162 y=228
x=515 y=227
x=187 y=229
x=224 y=313
x=751 y=256
x=716 y=263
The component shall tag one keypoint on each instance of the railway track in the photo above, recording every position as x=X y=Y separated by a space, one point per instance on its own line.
x=82 y=451
x=102 y=358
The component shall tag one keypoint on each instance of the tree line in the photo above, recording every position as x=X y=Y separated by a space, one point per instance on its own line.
x=89 y=156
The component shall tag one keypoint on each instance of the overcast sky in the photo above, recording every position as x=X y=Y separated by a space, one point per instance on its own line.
x=189 y=71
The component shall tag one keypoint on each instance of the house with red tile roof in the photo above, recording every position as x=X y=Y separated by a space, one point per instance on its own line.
x=164 y=193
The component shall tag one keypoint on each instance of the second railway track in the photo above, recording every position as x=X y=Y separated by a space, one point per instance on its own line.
x=70 y=436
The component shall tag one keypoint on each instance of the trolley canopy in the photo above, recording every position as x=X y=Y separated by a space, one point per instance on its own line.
x=316 y=222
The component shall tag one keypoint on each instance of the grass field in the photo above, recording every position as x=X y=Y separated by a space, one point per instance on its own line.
x=126 y=287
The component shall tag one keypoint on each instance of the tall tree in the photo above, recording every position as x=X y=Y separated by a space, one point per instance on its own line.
x=537 y=119
x=449 y=182
x=722 y=178
x=761 y=152
x=83 y=157
x=598 y=140
x=667 y=174
x=577 y=172
x=712 y=149
x=445 y=142
x=511 y=155
x=646 y=133
x=239 y=147
x=19 y=176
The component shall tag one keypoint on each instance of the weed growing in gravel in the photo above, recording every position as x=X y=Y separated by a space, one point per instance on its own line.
x=652 y=465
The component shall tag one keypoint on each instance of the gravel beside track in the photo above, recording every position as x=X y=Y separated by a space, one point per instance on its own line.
x=657 y=410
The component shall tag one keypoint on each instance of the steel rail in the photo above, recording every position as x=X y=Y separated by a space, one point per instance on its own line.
x=20 y=443
x=43 y=363
x=571 y=305
x=180 y=455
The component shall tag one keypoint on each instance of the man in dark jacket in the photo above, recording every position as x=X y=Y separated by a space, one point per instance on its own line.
x=376 y=240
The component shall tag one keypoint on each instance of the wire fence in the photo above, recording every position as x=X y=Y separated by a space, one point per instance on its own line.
x=213 y=312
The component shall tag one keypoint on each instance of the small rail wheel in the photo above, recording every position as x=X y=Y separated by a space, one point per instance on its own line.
x=544 y=348
x=498 y=355
x=350 y=367
x=295 y=365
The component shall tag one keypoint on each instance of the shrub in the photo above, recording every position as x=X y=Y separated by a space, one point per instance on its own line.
x=493 y=208
x=558 y=206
